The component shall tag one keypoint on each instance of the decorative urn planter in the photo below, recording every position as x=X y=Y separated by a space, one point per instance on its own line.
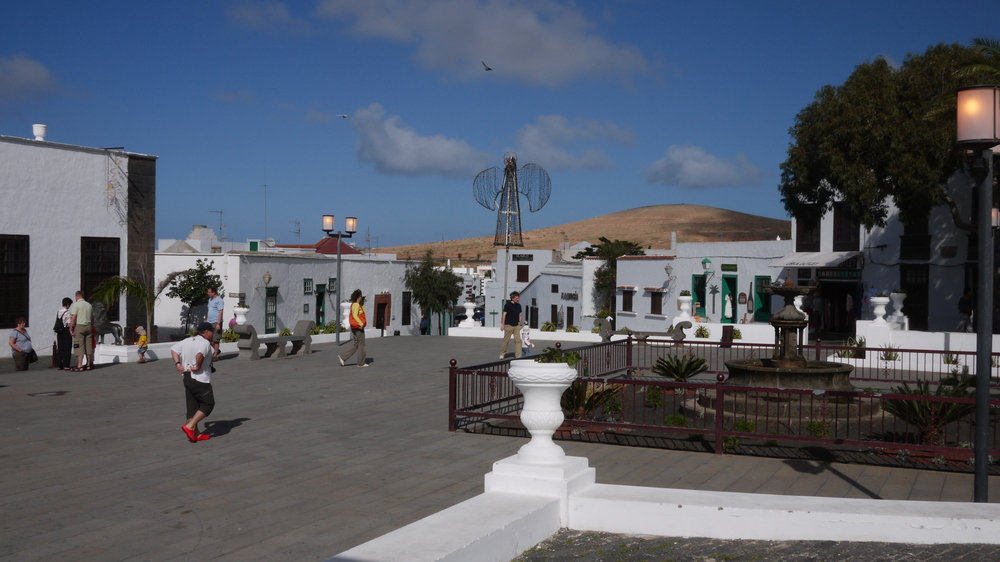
x=542 y=385
x=684 y=305
x=469 y=311
x=241 y=314
x=878 y=308
x=345 y=314
x=897 y=305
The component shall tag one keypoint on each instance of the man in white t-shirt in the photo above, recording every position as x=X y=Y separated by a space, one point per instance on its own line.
x=193 y=359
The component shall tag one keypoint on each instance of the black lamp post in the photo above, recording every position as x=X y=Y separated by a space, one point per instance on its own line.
x=350 y=228
x=979 y=131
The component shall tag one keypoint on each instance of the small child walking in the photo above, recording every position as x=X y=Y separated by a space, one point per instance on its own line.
x=526 y=344
x=142 y=341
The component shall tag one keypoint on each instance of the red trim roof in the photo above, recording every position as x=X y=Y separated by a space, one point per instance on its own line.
x=328 y=246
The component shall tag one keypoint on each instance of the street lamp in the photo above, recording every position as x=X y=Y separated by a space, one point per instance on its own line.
x=978 y=127
x=350 y=227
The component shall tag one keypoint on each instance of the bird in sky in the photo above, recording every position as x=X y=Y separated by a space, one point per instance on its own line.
x=486 y=67
x=342 y=115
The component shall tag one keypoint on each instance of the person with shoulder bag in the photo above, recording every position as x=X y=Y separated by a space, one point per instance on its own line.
x=20 y=346
x=64 y=341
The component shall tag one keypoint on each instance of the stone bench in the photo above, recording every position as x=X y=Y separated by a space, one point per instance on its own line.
x=249 y=343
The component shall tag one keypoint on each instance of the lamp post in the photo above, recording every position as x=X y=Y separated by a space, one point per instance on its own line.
x=351 y=226
x=978 y=129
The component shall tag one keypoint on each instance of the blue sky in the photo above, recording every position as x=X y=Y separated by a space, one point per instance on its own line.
x=624 y=103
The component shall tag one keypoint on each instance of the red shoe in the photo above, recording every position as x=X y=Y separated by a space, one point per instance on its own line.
x=190 y=433
x=204 y=437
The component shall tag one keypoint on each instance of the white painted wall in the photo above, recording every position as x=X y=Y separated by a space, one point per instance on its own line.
x=55 y=194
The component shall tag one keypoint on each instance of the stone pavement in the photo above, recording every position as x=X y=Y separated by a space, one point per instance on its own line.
x=308 y=458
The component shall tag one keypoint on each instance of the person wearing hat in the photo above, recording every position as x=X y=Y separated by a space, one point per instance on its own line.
x=193 y=359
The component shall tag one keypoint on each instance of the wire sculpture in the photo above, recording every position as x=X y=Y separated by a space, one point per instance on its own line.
x=498 y=189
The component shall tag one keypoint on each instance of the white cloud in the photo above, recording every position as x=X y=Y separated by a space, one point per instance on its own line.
x=543 y=142
x=396 y=148
x=268 y=16
x=540 y=42
x=691 y=167
x=22 y=77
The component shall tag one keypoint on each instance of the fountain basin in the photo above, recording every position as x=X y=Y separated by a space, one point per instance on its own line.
x=812 y=375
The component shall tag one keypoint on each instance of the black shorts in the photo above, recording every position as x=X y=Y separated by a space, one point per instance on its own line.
x=199 y=396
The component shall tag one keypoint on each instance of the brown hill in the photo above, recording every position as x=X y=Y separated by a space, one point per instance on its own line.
x=648 y=226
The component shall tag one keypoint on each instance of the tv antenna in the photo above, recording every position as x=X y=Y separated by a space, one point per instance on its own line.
x=298 y=230
x=498 y=189
x=222 y=232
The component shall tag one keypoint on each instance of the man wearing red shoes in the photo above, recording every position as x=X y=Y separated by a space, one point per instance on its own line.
x=193 y=359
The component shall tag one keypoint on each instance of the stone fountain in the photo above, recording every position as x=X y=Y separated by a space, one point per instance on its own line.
x=788 y=368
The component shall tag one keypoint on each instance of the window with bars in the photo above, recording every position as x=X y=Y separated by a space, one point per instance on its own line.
x=100 y=259
x=271 y=311
x=407 y=305
x=14 y=261
x=627 y=300
x=846 y=231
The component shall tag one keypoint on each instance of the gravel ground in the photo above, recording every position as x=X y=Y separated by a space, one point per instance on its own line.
x=591 y=547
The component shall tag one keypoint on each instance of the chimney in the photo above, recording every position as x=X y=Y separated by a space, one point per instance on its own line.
x=39 y=131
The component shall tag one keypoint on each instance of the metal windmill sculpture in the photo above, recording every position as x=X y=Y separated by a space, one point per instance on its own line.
x=497 y=189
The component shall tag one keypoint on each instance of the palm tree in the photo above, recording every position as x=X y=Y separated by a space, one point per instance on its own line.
x=985 y=60
x=113 y=288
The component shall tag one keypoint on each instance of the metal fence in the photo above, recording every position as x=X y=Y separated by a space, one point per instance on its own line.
x=729 y=416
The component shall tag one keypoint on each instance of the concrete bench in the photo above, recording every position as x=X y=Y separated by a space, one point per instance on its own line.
x=249 y=343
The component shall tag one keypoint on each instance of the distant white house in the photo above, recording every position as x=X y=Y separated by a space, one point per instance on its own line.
x=283 y=287
x=72 y=216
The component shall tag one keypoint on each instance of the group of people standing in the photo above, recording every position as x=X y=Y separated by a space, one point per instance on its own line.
x=74 y=334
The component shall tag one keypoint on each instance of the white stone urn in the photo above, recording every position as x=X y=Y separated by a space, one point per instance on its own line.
x=469 y=310
x=878 y=308
x=897 y=305
x=542 y=385
x=345 y=313
x=684 y=305
x=241 y=314
x=798 y=305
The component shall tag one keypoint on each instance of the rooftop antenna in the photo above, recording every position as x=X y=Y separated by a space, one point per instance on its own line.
x=298 y=231
x=222 y=235
x=497 y=189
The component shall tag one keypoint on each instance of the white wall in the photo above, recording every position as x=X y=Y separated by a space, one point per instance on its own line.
x=56 y=194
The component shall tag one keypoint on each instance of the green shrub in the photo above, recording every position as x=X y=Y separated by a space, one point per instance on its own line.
x=702 y=332
x=675 y=420
x=582 y=397
x=285 y=332
x=548 y=327
x=685 y=293
x=737 y=334
x=554 y=355
x=654 y=396
x=817 y=428
x=949 y=359
x=679 y=367
x=316 y=330
x=849 y=353
x=229 y=336
x=888 y=353
x=572 y=328
x=331 y=328
x=930 y=418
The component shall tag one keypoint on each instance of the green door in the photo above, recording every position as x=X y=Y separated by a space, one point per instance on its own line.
x=699 y=294
x=761 y=300
x=729 y=299
x=321 y=305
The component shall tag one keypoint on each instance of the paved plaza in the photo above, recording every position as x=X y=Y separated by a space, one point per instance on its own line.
x=308 y=458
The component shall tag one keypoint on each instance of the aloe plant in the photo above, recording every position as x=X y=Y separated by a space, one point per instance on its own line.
x=583 y=397
x=679 y=367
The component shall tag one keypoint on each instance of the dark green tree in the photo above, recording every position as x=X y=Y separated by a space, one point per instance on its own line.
x=886 y=133
x=192 y=287
x=434 y=290
x=606 y=276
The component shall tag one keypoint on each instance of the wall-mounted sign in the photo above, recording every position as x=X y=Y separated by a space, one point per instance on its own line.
x=522 y=257
x=240 y=296
x=570 y=296
x=743 y=298
x=728 y=267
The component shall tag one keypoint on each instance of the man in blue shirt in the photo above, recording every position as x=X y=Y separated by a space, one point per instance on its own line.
x=215 y=306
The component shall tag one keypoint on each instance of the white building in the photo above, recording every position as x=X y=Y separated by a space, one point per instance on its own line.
x=932 y=262
x=726 y=281
x=555 y=295
x=72 y=217
x=523 y=266
x=283 y=288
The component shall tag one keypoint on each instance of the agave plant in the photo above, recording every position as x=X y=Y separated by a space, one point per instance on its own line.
x=583 y=397
x=680 y=367
x=930 y=418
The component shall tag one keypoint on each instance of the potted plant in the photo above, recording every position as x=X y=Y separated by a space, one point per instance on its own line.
x=684 y=304
x=878 y=307
x=897 y=296
x=241 y=309
x=542 y=380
